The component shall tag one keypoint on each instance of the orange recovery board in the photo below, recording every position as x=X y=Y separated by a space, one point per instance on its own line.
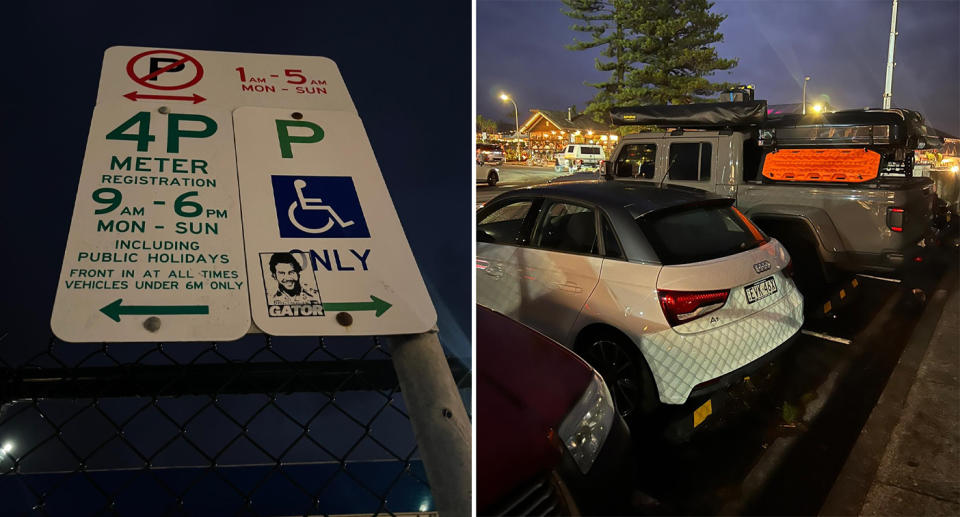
x=831 y=165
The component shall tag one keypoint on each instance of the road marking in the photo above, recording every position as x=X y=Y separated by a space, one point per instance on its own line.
x=827 y=337
x=881 y=278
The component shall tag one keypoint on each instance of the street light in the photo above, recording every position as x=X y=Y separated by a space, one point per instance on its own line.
x=804 y=102
x=818 y=107
x=516 y=120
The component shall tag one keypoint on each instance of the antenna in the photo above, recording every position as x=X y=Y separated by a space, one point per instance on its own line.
x=664 y=178
x=888 y=84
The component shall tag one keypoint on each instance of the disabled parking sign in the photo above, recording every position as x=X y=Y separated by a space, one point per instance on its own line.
x=326 y=254
x=318 y=207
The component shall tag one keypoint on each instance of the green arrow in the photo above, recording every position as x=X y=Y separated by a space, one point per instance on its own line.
x=114 y=310
x=377 y=304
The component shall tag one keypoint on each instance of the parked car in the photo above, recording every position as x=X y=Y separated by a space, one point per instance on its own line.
x=549 y=441
x=580 y=157
x=487 y=174
x=665 y=291
x=490 y=153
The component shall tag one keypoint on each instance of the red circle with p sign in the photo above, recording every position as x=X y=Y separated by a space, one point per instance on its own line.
x=164 y=62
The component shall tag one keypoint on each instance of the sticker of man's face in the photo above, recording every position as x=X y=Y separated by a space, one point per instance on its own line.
x=287 y=276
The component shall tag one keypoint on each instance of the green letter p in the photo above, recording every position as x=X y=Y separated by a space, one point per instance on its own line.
x=286 y=139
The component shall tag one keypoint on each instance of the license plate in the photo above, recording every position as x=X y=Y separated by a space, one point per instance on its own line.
x=760 y=290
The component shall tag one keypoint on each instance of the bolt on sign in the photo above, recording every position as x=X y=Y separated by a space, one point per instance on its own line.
x=155 y=246
x=326 y=254
x=176 y=77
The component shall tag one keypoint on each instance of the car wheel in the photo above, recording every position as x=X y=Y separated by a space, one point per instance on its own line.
x=492 y=178
x=624 y=370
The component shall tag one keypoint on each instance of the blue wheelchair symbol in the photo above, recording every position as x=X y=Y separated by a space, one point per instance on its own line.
x=318 y=207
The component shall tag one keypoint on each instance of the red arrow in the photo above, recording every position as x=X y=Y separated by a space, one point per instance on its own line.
x=195 y=98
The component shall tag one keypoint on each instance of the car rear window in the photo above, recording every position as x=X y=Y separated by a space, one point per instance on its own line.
x=589 y=150
x=699 y=233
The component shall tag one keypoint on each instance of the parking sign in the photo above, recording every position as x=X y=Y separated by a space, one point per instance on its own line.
x=146 y=75
x=154 y=251
x=321 y=233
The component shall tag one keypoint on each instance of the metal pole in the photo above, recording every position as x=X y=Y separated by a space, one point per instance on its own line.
x=439 y=419
x=803 y=102
x=516 y=120
x=888 y=84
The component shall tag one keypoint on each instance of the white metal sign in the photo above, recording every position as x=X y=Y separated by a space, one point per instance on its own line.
x=139 y=75
x=155 y=246
x=326 y=254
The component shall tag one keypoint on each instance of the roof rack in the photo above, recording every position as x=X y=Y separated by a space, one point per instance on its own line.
x=884 y=127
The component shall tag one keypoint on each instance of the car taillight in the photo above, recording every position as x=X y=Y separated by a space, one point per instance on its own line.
x=895 y=218
x=788 y=269
x=684 y=306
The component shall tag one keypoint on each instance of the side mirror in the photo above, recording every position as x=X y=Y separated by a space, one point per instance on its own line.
x=483 y=236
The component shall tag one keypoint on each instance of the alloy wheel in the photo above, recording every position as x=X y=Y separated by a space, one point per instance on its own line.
x=620 y=373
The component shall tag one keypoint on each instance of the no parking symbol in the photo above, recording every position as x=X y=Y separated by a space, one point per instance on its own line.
x=165 y=70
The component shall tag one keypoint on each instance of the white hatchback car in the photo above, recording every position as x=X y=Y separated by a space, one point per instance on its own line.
x=665 y=291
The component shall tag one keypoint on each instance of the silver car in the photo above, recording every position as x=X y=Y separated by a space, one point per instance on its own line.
x=663 y=290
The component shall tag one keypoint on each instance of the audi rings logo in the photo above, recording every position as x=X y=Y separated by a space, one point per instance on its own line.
x=760 y=267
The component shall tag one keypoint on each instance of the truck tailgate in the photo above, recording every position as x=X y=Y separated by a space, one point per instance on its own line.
x=858 y=211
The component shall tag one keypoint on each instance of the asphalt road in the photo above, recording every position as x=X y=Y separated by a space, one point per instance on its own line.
x=513 y=177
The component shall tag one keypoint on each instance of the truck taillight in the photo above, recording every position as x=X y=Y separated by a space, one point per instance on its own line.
x=895 y=218
x=685 y=306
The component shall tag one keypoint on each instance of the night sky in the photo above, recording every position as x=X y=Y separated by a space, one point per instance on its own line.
x=840 y=44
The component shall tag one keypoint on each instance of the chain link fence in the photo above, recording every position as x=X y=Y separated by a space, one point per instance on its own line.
x=262 y=426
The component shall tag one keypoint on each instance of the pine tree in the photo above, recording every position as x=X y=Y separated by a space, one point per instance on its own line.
x=676 y=45
x=662 y=50
x=603 y=21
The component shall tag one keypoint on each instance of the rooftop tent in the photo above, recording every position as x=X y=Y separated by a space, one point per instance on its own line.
x=700 y=116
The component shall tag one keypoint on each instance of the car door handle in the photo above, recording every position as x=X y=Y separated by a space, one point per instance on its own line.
x=569 y=287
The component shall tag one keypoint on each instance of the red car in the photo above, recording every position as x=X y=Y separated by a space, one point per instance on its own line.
x=549 y=441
